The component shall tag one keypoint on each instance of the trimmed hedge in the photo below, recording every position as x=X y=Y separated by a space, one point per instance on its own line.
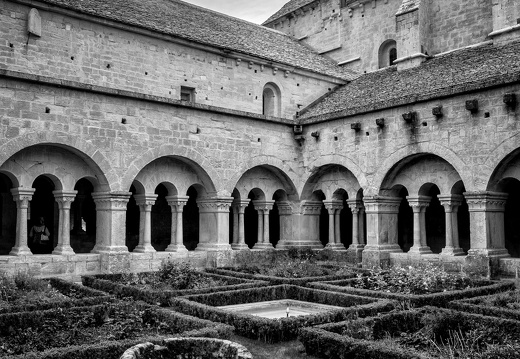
x=108 y=283
x=475 y=305
x=327 y=340
x=188 y=348
x=111 y=349
x=275 y=330
x=230 y=271
x=440 y=299
x=80 y=296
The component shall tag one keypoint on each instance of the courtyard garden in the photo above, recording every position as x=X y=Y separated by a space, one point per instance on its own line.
x=274 y=304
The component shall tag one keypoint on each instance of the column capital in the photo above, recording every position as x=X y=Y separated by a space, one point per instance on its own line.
x=355 y=205
x=451 y=201
x=418 y=203
x=382 y=204
x=240 y=204
x=214 y=204
x=64 y=198
x=285 y=208
x=176 y=201
x=263 y=205
x=116 y=201
x=486 y=201
x=22 y=194
x=332 y=205
x=145 y=199
x=311 y=207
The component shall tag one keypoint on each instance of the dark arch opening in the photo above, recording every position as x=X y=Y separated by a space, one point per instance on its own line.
x=190 y=220
x=161 y=220
x=7 y=216
x=404 y=222
x=44 y=205
x=435 y=222
x=132 y=221
x=345 y=224
x=511 y=186
x=83 y=214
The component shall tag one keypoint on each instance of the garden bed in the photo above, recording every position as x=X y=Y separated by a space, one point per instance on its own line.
x=503 y=305
x=275 y=330
x=428 y=332
x=22 y=292
x=170 y=281
x=426 y=285
x=114 y=327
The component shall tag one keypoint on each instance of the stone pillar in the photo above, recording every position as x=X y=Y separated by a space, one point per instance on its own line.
x=214 y=223
x=486 y=210
x=64 y=200
x=355 y=250
x=21 y=196
x=263 y=208
x=177 y=204
x=333 y=207
x=145 y=203
x=451 y=204
x=419 y=205
x=239 y=207
x=111 y=222
x=286 y=231
x=382 y=215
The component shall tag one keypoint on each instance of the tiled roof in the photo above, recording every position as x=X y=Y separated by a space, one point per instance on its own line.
x=288 y=8
x=193 y=23
x=456 y=72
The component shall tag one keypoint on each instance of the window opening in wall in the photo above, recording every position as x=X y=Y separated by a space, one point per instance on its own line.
x=387 y=53
x=271 y=99
x=187 y=94
x=392 y=56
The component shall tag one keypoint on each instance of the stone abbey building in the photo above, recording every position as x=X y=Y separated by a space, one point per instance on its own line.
x=386 y=130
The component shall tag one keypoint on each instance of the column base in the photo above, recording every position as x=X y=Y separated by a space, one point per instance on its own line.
x=452 y=251
x=213 y=247
x=420 y=250
x=263 y=246
x=63 y=250
x=239 y=247
x=20 y=251
x=355 y=253
x=110 y=249
x=378 y=255
x=336 y=247
x=176 y=248
x=299 y=244
x=144 y=248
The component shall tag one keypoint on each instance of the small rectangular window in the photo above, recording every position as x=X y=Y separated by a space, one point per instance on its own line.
x=187 y=94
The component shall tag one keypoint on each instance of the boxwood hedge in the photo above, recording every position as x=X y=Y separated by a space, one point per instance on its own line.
x=478 y=305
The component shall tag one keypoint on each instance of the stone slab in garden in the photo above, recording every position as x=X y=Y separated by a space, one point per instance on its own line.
x=274 y=330
x=98 y=331
x=56 y=293
x=111 y=283
x=503 y=305
x=424 y=333
x=187 y=348
x=482 y=287
x=235 y=272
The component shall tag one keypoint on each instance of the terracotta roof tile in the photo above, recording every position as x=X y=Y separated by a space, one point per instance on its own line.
x=193 y=23
x=456 y=72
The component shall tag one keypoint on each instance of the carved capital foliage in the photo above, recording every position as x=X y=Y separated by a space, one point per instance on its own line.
x=486 y=201
x=333 y=205
x=215 y=204
x=284 y=208
x=418 y=203
x=263 y=205
x=451 y=202
x=239 y=205
x=22 y=196
x=380 y=204
x=147 y=199
x=355 y=205
x=115 y=201
x=64 y=198
x=311 y=207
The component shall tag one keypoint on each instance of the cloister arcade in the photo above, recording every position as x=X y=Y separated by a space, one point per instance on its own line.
x=422 y=207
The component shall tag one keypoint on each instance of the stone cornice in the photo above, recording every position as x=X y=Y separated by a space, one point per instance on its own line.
x=486 y=201
x=381 y=204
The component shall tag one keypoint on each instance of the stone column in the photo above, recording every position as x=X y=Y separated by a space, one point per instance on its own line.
x=382 y=215
x=111 y=222
x=419 y=205
x=177 y=204
x=451 y=204
x=285 y=211
x=263 y=207
x=214 y=223
x=145 y=203
x=64 y=200
x=357 y=231
x=486 y=210
x=21 y=196
x=239 y=207
x=333 y=207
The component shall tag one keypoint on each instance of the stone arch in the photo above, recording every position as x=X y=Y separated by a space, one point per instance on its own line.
x=267 y=177
x=271 y=100
x=199 y=164
x=329 y=179
x=503 y=162
x=419 y=149
x=339 y=160
x=104 y=173
x=387 y=53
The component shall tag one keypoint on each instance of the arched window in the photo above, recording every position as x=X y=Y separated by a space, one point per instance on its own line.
x=271 y=100
x=387 y=53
